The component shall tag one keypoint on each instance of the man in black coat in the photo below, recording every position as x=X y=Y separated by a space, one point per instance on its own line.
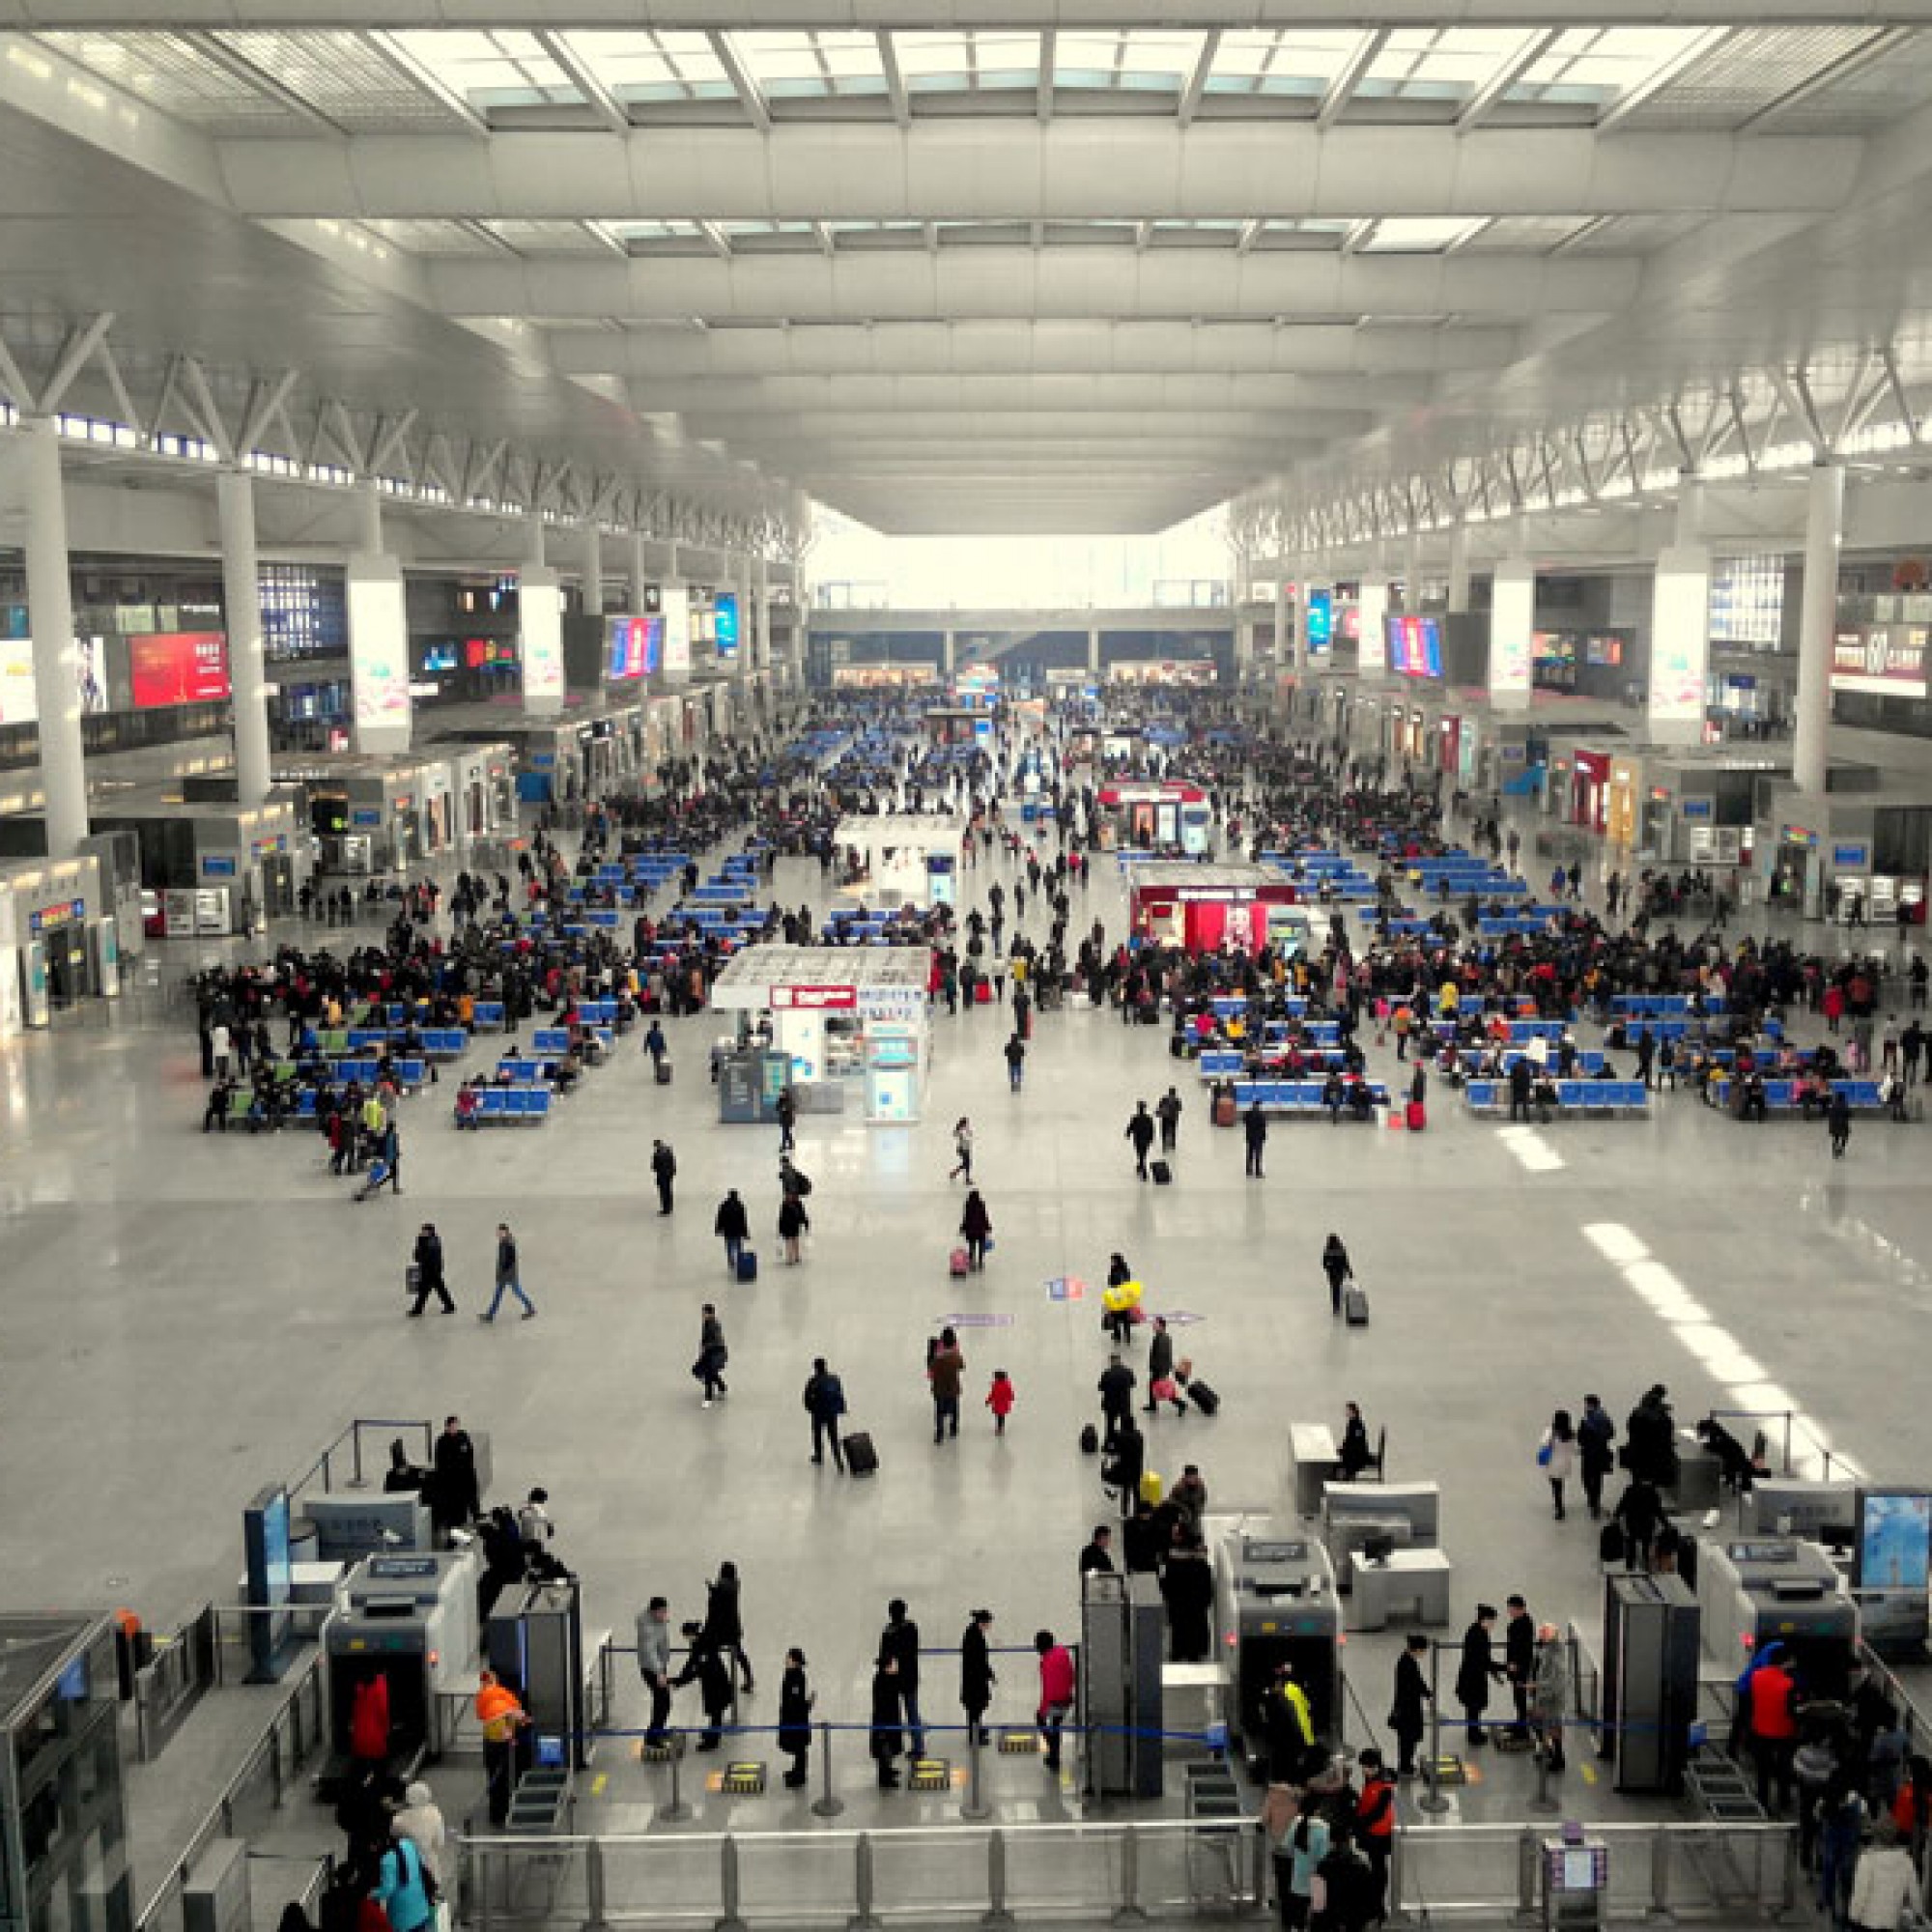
x=1254 y=1124
x=1519 y=1662
x=1141 y=1132
x=886 y=1741
x=976 y=1674
x=428 y=1258
x=664 y=1170
x=1117 y=1397
x=1409 y=1712
x=898 y=1643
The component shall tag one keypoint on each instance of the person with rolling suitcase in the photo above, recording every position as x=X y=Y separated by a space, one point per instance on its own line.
x=664 y=1170
x=1198 y=1392
x=1335 y=1264
x=428 y=1265
x=1355 y=1305
x=732 y=1225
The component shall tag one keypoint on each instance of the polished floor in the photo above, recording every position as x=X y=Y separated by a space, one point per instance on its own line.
x=187 y=1317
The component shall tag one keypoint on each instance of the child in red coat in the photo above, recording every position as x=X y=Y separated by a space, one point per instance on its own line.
x=1000 y=1400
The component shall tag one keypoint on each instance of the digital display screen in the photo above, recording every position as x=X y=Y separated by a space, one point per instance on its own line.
x=725 y=622
x=627 y=647
x=1319 y=628
x=1894 y=1540
x=1415 y=646
x=438 y=656
x=480 y=653
x=1608 y=651
x=178 y=668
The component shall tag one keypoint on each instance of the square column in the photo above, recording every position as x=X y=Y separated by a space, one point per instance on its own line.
x=1371 y=610
x=379 y=652
x=1818 y=620
x=1679 y=644
x=242 y=609
x=1512 y=620
x=56 y=658
x=594 y=571
x=540 y=622
x=1459 y=571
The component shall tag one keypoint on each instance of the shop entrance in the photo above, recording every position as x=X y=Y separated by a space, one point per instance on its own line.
x=69 y=978
x=278 y=885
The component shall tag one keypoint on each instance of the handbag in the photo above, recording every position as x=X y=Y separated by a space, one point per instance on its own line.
x=1542 y=1456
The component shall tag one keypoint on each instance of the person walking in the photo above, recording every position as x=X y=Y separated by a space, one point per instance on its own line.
x=1838 y=1122
x=825 y=1404
x=976 y=1230
x=1595 y=1457
x=1015 y=1054
x=508 y=1280
x=899 y=1641
x=724 y=1621
x=655 y=1045
x=946 y=1372
x=887 y=1741
x=1408 y=1711
x=1167 y=1110
x=732 y=1225
x=712 y=1354
x=976 y=1675
x=1338 y=1269
x=787 y=1118
x=1477 y=1671
x=654 y=1665
x=999 y=1399
x=705 y=1666
x=1162 y=1384
x=664 y=1170
x=963 y=1149
x=795 y=1702
x=1056 y=1693
x=1255 y=1130
x=794 y=1223
x=427 y=1258
x=1141 y=1133
x=1357 y=1457
x=1885 y=1888
x=1557 y=1456
x=1550 y=1694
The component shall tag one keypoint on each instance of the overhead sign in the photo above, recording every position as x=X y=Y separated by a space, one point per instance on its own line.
x=1888 y=659
x=1067 y=1287
x=815 y=998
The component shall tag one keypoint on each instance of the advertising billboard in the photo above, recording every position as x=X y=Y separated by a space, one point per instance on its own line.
x=676 y=604
x=540 y=616
x=1318 y=624
x=1886 y=660
x=626 y=648
x=178 y=668
x=725 y=623
x=1415 y=646
x=379 y=655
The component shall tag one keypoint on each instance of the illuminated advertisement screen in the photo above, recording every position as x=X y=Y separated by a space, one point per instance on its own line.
x=1415 y=646
x=626 y=648
x=1888 y=659
x=178 y=667
x=676 y=602
x=724 y=621
x=1321 y=620
x=379 y=660
x=1894 y=1540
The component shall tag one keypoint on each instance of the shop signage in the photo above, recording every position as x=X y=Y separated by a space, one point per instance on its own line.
x=1213 y=895
x=401 y=802
x=1850 y=858
x=216 y=866
x=263 y=847
x=65 y=913
x=815 y=998
x=1067 y=1287
x=364 y=815
x=1795 y=834
x=1699 y=808
x=1888 y=658
x=904 y=1003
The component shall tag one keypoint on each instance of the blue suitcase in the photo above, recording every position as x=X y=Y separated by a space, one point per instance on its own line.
x=748 y=1265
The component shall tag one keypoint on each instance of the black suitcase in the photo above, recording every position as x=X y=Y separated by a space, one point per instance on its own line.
x=1162 y=1173
x=1089 y=1440
x=860 y=1458
x=1202 y=1396
x=1611 y=1543
x=664 y=1071
x=1355 y=1306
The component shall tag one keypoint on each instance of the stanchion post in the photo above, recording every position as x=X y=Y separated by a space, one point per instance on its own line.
x=863 y=1918
x=976 y=1806
x=1542 y=1800
x=729 y=1893
x=678 y=1811
x=1660 y=1874
x=1128 y=1912
x=1529 y=1858
x=594 y=1914
x=1433 y=1799
x=357 y=1481
x=996 y=1912
x=828 y=1804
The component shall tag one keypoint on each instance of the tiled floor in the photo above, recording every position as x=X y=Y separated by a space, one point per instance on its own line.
x=187 y=1318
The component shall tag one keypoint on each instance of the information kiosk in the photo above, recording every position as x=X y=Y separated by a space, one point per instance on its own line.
x=909 y=858
x=1204 y=907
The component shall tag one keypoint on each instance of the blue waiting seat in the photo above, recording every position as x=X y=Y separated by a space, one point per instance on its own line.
x=488 y=1016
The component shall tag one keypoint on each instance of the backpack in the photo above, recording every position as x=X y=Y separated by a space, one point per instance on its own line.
x=1089 y=1440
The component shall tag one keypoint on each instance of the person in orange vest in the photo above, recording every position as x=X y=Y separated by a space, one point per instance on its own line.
x=1374 y=1821
x=1774 y=1730
x=502 y=1718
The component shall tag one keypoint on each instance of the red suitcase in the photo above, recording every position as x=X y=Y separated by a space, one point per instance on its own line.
x=1418 y=1117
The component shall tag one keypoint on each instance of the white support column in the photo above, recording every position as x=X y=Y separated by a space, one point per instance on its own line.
x=1824 y=535
x=50 y=617
x=1411 y=574
x=1093 y=651
x=241 y=603
x=533 y=540
x=379 y=652
x=640 y=574
x=1371 y=610
x=1459 y=570
x=1512 y=619
x=1281 y=644
x=368 y=504
x=761 y=592
x=674 y=599
x=593 y=570
x=1680 y=626
x=949 y=653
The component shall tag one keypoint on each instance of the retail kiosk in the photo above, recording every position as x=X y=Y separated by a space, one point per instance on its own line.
x=1203 y=908
x=842 y=1013
x=1158 y=815
x=906 y=858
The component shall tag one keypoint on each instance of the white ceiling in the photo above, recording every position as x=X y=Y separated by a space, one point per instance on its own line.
x=1066 y=273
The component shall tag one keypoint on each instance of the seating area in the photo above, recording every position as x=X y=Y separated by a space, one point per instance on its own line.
x=1299 y=1096
x=1664 y=1005
x=495 y=1105
x=1601 y=1097
x=1781 y=1098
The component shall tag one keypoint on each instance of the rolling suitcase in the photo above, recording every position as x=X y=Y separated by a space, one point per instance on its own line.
x=860 y=1458
x=1355 y=1306
x=1152 y=1489
x=1163 y=1174
x=1417 y=1116
x=957 y=1266
x=748 y=1265
x=1202 y=1397
x=664 y=1071
x=1227 y=1110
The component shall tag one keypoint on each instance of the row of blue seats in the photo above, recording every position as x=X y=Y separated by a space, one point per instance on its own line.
x=1519 y=1030
x=1295 y=1097
x=1573 y=1096
x=408 y=1072
x=439 y=1042
x=1780 y=1096
x=1671 y=1029
x=1221 y=1062
x=556 y=1039
x=1232 y=1006
x=1663 y=1006
x=512 y=1103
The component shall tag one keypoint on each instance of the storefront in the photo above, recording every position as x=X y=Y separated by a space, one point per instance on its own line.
x=372 y=814
x=57 y=944
x=1589 y=789
x=1620 y=812
x=958 y=726
x=1156 y=817
x=1202 y=908
x=903 y=859
x=824 y=1020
